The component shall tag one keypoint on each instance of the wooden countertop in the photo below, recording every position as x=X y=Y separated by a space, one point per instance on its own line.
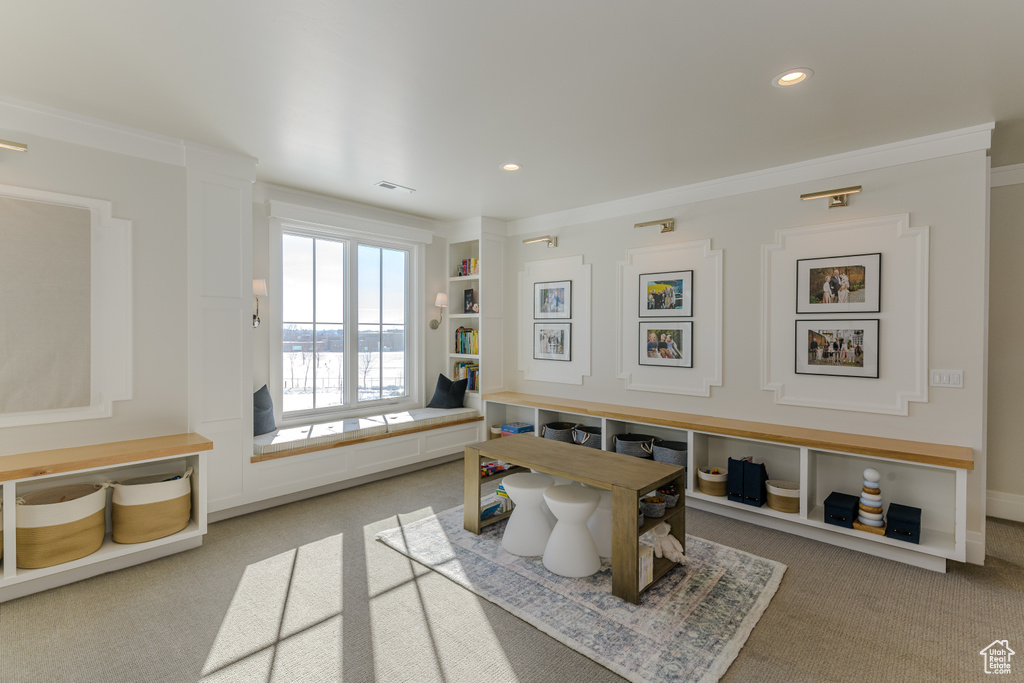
x=960 y=457
x=38 y=463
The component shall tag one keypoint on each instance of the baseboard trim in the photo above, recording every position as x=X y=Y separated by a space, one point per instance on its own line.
x=1004 y=506
x=240 y=510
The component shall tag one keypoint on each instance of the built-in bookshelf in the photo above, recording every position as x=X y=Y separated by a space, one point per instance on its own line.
x=464 y=338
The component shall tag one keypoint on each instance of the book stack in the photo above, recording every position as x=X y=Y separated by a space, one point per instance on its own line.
x=467 y=340
x=467 y=370
x=469 y=266
x=516 y=428
x=492 y=505
x=646 y=566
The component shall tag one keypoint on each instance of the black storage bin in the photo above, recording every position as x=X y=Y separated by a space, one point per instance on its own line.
x=558 y=431
x=755 y=479
x=841 y=509
x=734 y=481
x=670 y=452
x=585 y=435
x=904 y=523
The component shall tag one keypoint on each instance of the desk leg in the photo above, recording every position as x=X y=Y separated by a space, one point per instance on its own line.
x=678 y=523
x=471 y=476
x=625 y=550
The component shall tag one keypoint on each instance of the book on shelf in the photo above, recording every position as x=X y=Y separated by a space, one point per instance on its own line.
x=467 y=370
x=469 y=266
x=492 y=505
x=470 y=304
x=467 y=340
x=516 y=428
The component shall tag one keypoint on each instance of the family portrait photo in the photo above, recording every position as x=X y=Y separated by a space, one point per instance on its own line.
x=552 y=341
x=552 y=300
x=845 y=348
x=667 y=344
x=839 y=284
x=666 y=294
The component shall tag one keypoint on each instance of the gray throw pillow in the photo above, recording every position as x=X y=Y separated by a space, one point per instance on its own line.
x=448 y=394
x=262 y=412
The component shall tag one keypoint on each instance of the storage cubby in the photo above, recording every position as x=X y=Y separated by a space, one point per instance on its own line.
x=498 y=414
x=782 y=462
x=927 y=488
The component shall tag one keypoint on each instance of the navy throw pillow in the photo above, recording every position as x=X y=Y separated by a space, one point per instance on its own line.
x=262 y=412
x=448 y=394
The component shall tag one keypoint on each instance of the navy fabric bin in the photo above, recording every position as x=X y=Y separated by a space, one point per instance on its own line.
x=903 y=523
x=734 y=481
x=755 y=480
x=841 y=509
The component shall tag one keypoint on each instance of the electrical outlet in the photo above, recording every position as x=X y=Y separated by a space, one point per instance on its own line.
x=952 y=379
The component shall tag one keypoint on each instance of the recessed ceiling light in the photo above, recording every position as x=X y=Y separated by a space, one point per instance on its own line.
x=792 y=77
x=510 y=167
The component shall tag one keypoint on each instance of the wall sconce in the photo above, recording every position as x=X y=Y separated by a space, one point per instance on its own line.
x=442 y=303
x=667 y=224
x=552 y=241
x=836 y=198
x=16 y=146
x=259 y=288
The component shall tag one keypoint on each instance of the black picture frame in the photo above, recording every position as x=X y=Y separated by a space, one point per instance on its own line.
x=813 y=358
x=863 y=273
x=679 y=342
x=676 y=285
x=546 y=334
x=552 y=300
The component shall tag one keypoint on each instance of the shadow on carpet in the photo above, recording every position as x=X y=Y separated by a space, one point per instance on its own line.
x=689 y=626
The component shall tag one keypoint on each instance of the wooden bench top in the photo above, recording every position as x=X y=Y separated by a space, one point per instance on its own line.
x=960 y=457
x=60 y=460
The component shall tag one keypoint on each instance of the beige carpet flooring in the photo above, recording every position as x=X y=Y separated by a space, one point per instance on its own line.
x=303 y=592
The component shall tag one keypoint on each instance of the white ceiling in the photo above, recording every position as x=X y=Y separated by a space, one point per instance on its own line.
x=597 y=100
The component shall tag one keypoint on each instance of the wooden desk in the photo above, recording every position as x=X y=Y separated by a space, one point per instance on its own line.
x=628 y=478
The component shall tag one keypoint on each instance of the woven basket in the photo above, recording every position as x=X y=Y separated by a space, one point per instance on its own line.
x=783 y=496
x=558 y=431
x=148 y=508
x=711 y=484
x=60 y=524
x=637 y=445
x=671 y=452
x=585 y=435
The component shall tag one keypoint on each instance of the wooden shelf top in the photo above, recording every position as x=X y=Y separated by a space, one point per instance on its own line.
x=960 y=457
x=60 y=460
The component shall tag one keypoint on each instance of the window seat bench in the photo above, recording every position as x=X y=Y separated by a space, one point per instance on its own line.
x=289 y=441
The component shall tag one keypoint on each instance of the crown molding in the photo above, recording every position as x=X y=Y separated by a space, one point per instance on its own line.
x=57 y=124
x=1007 y=175
x=935 y=146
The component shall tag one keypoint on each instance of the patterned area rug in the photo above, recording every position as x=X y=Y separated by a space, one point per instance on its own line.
x=689 y=626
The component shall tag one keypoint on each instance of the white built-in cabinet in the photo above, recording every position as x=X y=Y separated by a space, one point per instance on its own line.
x=932 y=477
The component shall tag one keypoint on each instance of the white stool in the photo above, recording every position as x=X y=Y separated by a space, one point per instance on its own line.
x=571 y=551
x=527 y=530
x=600 y=523
x=556 y=481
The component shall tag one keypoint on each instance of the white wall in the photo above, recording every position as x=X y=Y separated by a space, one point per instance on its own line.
x=948 y=194
x=152 y=195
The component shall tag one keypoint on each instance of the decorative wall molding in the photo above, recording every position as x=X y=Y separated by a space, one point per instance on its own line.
x=1007 y=175
x=567 y=268
x=894 y=154
x=110 y=274
x=706 y=264
x=36 y=119
x=903 y=352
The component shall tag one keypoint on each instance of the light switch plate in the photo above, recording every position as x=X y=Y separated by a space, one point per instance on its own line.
x=952 y=379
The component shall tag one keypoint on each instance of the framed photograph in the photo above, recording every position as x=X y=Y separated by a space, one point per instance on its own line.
x=552 y=300
x=839 y=284
x=668 y=344
x=840 y=348
x=666 y=295
x=552 y=341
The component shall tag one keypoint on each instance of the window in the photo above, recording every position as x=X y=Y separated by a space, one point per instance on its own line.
x=330 y=285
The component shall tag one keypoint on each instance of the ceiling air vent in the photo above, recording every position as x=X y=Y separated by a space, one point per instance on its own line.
x=394 y=186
